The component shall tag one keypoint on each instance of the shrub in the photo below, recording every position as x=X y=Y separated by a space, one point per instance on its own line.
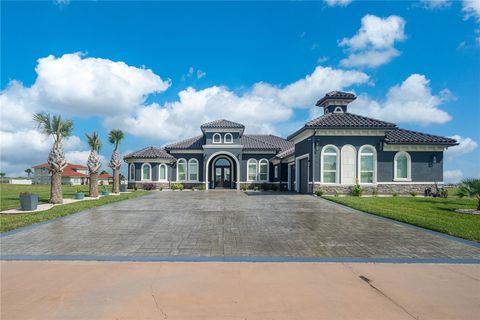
x=255 y=188
x=395 y=194
x=200 y=187
x=79 y=190
x=444 y=193
x=160 y=188
x=265 y=186
x=319 y=192
x=413 y=193
x=470 y=188
x=336 y=193
x=375 y=191
x=26 y=193
x=177 y=186
x=357 y=190
x=149 y=186
x=243 y=187
x=274 y=187
x=135 y=188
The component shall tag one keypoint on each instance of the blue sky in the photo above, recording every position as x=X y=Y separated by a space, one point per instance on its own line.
x=158 y=70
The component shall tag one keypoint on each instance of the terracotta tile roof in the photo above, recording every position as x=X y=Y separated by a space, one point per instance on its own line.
x=149 y=152
x=190 y=143
x=349 y=121
x=222 y=123
x=402 y=136
x=70 y=172
x=70 y=165
x=105 y=176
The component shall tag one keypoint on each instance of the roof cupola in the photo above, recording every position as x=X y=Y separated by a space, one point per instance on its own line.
x=336 y=102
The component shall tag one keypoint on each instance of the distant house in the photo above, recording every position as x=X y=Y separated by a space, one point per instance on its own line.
x=105 y=179
x=73 y=174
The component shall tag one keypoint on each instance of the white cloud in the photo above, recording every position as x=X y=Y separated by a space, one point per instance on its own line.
x=260 y=108
x=81 y=157
x=373 y=45
x=452 y=176
x=411 y=101
x=201 y=74
x=436 y=4
x=322 y=59
x=340 y=3
x=61 y=2
x=465 y=145
x=471 y=9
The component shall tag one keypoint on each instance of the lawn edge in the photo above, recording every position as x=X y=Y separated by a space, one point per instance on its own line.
x=36 y=224
x=473 y=243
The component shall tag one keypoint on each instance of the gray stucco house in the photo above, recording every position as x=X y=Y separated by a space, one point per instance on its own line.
x=333 y=152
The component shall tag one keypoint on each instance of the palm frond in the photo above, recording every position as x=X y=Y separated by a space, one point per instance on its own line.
x=115 y=137
x=94 y=141
x=43 y=122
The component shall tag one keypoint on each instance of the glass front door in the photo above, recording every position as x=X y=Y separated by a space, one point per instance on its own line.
x=223 y=176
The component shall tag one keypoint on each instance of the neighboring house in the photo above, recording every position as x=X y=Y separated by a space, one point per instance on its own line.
x=105 y=179
x=73 y=174
x=333 y=152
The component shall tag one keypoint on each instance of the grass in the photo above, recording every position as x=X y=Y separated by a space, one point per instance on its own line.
x=9 y=193
x=431 y=213
x=10 y=222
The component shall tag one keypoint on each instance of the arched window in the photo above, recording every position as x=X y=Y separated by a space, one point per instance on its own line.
x=162 y=172
x=146 y=171
x=193 y=170
x=251 y=170
x=263 y=170
x=181 y=170
x=367 y=164
x=228 y=138
x=132 y=171
x=217 y=138
x=402 y=166
x=329 y=164
x=338 y=110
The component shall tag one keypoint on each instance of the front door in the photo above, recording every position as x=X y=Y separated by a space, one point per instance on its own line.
x=223 y=173
x=303 y=172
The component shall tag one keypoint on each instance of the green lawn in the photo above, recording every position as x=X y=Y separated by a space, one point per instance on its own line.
x=10 y=222
x=9 y=193
x=430 y=213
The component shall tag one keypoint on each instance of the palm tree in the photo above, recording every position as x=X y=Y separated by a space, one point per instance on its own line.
x=470 y=188
x=115 y=137
x=59 y=129
x=93 y=162
x=28 y=172
x=2 y=175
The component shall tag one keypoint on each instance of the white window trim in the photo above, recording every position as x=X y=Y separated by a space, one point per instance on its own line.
x=276 y=171
x=409 y=166
x=359 y=165
x=250 y=161
x=219 y=138
x=268 y=170
x=228 y=134
x=132 y=176
x=337 y=168
x=338 y=110
x=186 y=168
x=166 y=172
x=149 y=171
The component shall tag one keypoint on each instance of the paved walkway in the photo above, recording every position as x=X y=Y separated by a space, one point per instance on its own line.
x=226 y=224
x=162 y=290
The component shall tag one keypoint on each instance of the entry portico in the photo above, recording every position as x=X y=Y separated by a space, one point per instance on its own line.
x=222 y=171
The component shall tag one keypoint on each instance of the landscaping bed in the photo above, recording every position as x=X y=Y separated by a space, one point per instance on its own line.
x=436 y=214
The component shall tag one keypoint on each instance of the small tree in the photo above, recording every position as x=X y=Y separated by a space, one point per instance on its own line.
x=115 y=137
x=470 y=188
x=59 y=129
x=28 y=172
x=93 y=162
x=2 y=175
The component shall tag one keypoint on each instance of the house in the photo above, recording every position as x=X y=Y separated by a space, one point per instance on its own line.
x=333 y=152
x=73 y=174
x=105 y=179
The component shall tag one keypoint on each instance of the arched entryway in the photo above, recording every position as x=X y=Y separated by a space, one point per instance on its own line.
x=222 y=170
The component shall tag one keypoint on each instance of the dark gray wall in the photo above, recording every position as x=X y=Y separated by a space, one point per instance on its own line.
x=209 y=137
x=188 y=156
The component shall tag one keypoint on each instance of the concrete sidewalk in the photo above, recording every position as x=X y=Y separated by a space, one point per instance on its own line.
x=175 y=290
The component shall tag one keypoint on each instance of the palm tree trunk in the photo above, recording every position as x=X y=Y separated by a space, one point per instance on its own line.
x=116 y=181
x=93 y=185
x=56 y=195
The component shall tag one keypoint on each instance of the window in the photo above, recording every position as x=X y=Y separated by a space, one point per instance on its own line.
x=193 y=170
x=402 y=163
x=329 y=164
x=252 y=170
x=276 y=172
x=132 y=171
x=217 y=138
x=263 y=170
x=367 y=164
x=146 y=171
x=228 y=138
x=181 y=170
x=162 y=172
x=338 y=110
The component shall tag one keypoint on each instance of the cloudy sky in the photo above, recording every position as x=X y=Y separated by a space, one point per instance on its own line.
x=158 y=70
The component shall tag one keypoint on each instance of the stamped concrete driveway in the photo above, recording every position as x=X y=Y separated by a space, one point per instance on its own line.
x=232 y=224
